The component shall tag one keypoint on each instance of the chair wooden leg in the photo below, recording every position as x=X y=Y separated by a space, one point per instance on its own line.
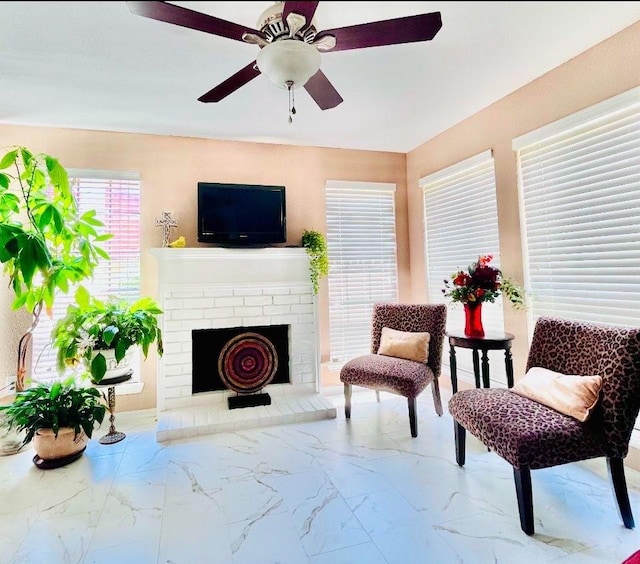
x=347 y=401
x=522 y=478
x=459 y=435
x=413 y=421
x=437 y=402
x=616 y=472
x=378 y=395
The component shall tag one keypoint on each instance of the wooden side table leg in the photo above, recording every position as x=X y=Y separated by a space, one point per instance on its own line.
x=112 y=436
x=476 y=367
x=453 y=368
x=508 y=363
x=485 y=368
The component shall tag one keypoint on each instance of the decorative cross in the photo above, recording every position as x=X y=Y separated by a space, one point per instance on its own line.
x=167 y=223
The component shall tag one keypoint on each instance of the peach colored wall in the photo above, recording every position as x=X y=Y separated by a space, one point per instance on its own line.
x=170 y=168
x=607 y=69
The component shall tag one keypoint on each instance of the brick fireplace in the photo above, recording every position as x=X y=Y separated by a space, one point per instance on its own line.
x=211 y=288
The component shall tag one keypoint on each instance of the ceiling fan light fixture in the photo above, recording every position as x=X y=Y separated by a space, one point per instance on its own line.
x=288 y=61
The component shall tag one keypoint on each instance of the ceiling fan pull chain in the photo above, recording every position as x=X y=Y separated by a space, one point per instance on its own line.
x=292 y=101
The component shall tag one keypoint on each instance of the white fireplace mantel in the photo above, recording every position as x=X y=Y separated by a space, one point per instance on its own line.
x=210 y=288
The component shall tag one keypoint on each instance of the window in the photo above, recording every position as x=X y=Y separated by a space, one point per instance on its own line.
x=579 y=181
x=116 y=198
x=461 y=223
x=361 y=241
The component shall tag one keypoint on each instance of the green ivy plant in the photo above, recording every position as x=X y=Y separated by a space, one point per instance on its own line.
x=55 y=406
x=316 y=246
x=46 y=245
x=92 y=325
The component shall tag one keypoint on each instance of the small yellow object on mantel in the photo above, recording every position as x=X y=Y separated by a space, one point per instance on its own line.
x=178 y=243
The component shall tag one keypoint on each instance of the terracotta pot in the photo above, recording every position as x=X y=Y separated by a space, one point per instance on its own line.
x=50 y=447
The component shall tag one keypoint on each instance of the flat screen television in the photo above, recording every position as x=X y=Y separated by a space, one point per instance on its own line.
x=241 y=214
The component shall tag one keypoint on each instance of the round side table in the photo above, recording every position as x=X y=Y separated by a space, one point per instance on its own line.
x=490 y=342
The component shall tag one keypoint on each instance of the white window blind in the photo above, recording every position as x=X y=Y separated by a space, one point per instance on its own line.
x=116 y=198
x=461 y=223
x=361 y=241
x=579 y=181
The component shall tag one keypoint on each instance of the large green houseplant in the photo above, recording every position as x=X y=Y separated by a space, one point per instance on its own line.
x=46 y=245
x=93 y=330
x=60 y=417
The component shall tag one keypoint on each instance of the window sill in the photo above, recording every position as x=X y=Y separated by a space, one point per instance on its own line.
x=124 y=389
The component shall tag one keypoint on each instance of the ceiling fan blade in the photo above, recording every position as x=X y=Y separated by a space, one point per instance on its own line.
x=409 y=29
x=322 y=91
x=184 y=17
x=306 y=9
x=242 y=77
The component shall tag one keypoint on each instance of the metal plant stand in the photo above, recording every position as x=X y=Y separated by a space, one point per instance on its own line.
x=112 y=436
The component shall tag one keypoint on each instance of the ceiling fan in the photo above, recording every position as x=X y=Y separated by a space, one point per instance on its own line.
x=290 y=44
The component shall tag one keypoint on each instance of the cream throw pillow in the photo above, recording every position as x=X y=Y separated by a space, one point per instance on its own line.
x=575 y=396
x=404 y=344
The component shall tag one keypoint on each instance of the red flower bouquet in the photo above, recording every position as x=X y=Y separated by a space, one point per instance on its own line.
x=482 y=283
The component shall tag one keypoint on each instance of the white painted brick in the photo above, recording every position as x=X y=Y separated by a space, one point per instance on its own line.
x=198 y=303
x=253 y=321
x=172 y=304
x=300 y=290
x=186 y=314
x=306 y=318
x=218 y=292
x=302 y=308
x=281 y=300
x=227 y=302
x=247 y=311
x=176 y=358
x=187 y=346
x=225 y=322
x=172 y=348
x=258 y=300
x=176 y=336
x=218 y=312
x=276 y=291
x=247 y=291
x=174 y=393
x=277 y=310
x=175 y=370
x=176 y=293
x=308 y=299
x=169 y=326
x=178 y=381
x=289 y=319
x=189 y=325
x=177 y=403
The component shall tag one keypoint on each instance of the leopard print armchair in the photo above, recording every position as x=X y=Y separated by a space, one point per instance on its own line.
x=398 y=375
x=530 y=435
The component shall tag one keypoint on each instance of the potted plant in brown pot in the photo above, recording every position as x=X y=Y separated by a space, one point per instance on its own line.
x=59 y=417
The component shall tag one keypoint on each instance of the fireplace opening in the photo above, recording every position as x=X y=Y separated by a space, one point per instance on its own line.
x=241 y=359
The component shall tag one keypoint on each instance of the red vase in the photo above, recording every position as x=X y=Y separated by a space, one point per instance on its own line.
x=473 y=320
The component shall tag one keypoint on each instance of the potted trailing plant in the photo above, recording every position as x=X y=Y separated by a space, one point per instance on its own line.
x=59 y=417
x=316 y=246
x=46 y=245
x=100 y=334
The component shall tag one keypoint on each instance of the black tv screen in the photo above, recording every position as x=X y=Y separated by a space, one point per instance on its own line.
x=241 y=214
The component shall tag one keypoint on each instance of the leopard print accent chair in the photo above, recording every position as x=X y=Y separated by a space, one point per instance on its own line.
x=399 y=376
x=530 y=435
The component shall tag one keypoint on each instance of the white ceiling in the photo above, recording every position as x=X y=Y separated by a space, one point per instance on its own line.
x=94 y=65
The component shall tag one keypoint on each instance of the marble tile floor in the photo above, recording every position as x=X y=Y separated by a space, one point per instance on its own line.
x=321 y=492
